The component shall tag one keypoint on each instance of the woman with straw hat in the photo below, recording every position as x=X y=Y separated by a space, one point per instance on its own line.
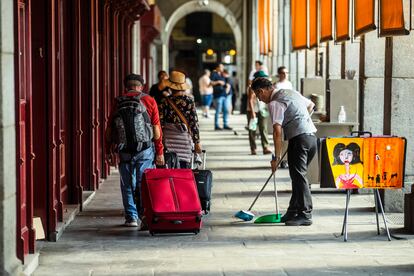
x=179 y=120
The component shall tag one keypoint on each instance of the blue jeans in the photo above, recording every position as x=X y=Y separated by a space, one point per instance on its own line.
x=207 y=100
x=131 y=175
x=221 y=105
x=229 y=103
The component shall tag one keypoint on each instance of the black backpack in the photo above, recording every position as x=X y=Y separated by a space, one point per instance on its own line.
x=131 y=124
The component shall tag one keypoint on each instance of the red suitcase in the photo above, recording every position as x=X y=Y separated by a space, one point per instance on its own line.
x=170 y=200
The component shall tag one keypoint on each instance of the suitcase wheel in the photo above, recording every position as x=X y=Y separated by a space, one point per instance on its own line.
x=196 y=231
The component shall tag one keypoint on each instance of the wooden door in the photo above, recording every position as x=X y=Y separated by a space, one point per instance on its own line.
x=24 y=154
x=23 y=233
x=86 y=91
x=76 y=99
x=40 y=108
x=95 y=172
x=61 y=103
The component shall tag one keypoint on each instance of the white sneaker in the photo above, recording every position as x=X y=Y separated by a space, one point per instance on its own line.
x=132 y=223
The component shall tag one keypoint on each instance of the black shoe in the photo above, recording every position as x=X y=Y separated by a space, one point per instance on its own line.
x=288 y=216
x=144 y=225
x=299 y=221
x=284 y=164
x=218 y=128
x=228 y=128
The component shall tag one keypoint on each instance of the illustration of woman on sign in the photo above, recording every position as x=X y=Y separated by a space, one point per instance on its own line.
x=349 y=157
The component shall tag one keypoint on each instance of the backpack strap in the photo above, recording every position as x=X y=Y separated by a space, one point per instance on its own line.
x=139 y=97
x=145 y=114
x=180 y=114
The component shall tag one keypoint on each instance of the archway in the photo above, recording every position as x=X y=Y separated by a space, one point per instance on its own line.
x=213 y=7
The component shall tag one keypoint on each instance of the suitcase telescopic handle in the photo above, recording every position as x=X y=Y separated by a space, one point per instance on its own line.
x=361 y=133
x=204 y=152
x=204 y=159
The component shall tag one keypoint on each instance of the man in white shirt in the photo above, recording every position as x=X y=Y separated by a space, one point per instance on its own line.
x=258 y=66
x=290 y=110
x=283 y=82
x=206 y=92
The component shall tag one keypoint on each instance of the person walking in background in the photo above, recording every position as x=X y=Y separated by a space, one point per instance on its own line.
x=179 y=120
x=134 y=129
x=219 y=95
x=257 y=115
x=258 y=66
x=229 y=91
x=236 y=91
x=189 y=90
x=206 y=92
x=158 y=90
x=283 y=82
x=290 y=110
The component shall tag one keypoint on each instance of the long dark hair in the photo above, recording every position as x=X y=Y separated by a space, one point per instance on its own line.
x=353 y=147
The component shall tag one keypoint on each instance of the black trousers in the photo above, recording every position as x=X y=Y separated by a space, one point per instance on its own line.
x=301 y=150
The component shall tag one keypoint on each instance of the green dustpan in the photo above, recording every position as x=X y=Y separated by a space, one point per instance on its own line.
x=271 y=218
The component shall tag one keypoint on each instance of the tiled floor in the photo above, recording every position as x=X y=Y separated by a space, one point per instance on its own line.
x=96 y=243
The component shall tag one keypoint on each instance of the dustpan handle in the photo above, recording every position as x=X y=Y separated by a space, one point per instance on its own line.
x=267 y=181
x=276 y=198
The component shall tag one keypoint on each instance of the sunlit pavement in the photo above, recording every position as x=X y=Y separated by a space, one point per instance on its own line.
x=96 y=243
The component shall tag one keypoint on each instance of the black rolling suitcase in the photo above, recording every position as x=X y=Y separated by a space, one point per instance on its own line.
x=204 y=180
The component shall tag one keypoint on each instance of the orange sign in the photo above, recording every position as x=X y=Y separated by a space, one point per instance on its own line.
x=384 y=162
x=367 y=162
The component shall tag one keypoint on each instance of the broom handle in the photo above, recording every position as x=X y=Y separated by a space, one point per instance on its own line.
x=267 y=181
x=276 y=198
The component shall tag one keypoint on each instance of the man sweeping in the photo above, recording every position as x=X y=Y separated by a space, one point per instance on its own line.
x=290 y=110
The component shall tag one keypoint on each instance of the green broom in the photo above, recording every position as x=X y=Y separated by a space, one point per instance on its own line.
x=271 y=218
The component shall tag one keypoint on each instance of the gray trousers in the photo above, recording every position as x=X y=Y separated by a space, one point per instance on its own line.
x=262 y=125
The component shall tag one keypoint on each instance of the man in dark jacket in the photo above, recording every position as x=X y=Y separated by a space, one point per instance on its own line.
x=158 y=89
x=135 y=157
x=219 y=94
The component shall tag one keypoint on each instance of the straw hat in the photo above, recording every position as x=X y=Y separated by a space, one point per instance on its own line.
x=177 y=81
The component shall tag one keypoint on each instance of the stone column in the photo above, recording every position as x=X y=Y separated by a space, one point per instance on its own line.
x=401 y=114
x=165 y=54
x=248 y=35
x=9 y=264
x=136 y=48
x=310 y=63
x=287 y=45
x=334 y=60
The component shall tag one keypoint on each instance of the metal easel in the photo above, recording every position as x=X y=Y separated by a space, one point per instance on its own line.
x=378 y=203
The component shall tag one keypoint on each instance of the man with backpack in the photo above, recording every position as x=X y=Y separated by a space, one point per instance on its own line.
x=134 y=132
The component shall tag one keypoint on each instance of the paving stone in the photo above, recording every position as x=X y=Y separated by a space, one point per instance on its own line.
x=96 y=243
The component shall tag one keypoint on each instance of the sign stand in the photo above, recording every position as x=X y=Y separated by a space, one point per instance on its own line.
x=378 y=203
